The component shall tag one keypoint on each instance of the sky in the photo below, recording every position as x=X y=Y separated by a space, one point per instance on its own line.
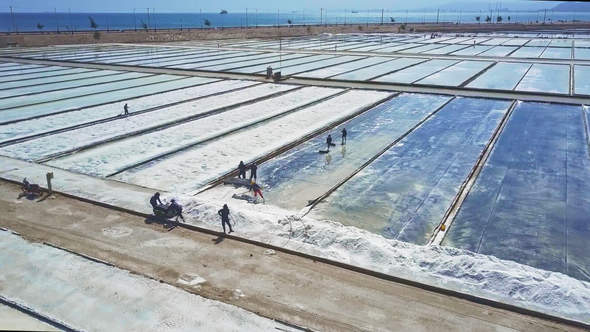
x=263 y=5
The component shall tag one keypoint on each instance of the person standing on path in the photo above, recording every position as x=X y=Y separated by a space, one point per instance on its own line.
x=343 y=136
x=242 y=169
x=224 y=213
x=253 y=169
x=329 y=141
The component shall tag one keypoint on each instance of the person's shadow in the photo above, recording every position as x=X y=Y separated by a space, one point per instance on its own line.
x=219 y=239
x=166 y=223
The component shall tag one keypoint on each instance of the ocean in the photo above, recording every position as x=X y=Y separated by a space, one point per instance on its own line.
x=64 y=21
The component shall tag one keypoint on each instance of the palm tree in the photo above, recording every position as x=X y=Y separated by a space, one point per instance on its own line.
x=488 y=19
x=289 y=22
x=207 y=22
x=478 y=18
x=40 y=26
x=499 y=19
x=392 y=20
x=508 y=19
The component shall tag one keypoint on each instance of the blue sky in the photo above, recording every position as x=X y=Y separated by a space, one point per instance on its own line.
x=241 y=5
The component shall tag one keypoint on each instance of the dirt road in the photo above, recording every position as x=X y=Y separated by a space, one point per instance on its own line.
x=275 y=285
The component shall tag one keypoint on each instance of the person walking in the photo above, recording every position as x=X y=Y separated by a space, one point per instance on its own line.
x=344 y=136
x=253 y=169
x=125 y=110
x=242 y=169
x=224 y=213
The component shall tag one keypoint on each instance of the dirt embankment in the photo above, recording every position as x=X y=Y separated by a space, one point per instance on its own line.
x=52 y=38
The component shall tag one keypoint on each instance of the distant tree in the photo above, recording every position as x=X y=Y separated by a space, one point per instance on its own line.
x=93 y=24
x=478 y=18
x=207 y=22
x=223 y=12
x=392 y=20
x=508 y=19
x=488 y=19
x=499 y=19
x=144 y=25
x=289 y=22
x=40 y=26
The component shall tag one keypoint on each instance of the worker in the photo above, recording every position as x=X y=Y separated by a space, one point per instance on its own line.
x=253 y=169
x=224 y=213
x=176 y=208
x=242 y=170
x=155 y=201
x=256 y=188
x=329 y=141
x=343 y=136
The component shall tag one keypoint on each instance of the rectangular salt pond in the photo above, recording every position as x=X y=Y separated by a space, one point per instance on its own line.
x=195 y=167
x=301 y=69
x=496 y=41
x=110 y=158
x=375 y=47
x=538 y=42
x=422 y=48
x=499 y=51
x=200 y=63
x=581 y=81
x=52 y=79
x=65 y=71
x=417 y=72
x=582 y=42
x=16 y=73
x=100 y=98
x=582 y=53
x=131 y=80
x=401 y=47
x=477 y=40
x=405 y=192
x=561 y=43
x=301 y=174
x=143 y=56
x=226 y=56
x=378 y=70
x=345 y=67
x=502 y=76
x=263 y=63
x=446 y=49
x=49 y=145
x=457 y=74
x=195 y=87
x=557 y=53
x=531 y=201
x=516 y=42
x=546 y=78
x=106 y=77
x=528 y=52
x=473 y=50
x=281 y=65
x=16 y=69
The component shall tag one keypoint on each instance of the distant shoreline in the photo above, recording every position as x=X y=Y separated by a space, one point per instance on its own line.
x=169 y=35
